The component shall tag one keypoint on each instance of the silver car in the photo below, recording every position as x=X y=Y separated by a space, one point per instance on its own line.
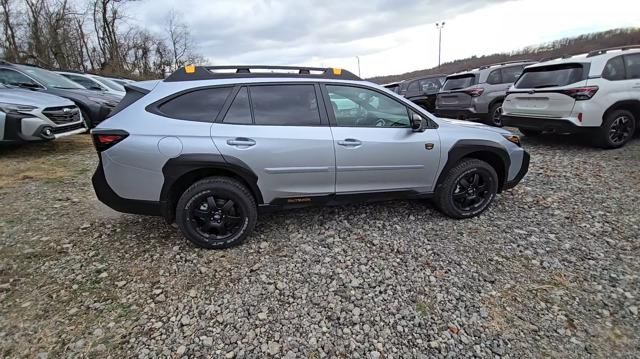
x=27 y=116
x=210 y=147
x=478 y=94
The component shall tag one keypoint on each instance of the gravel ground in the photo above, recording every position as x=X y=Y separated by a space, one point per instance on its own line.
x=551 y=270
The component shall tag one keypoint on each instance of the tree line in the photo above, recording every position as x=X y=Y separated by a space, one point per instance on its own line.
x=555 y=49
x=92 y=36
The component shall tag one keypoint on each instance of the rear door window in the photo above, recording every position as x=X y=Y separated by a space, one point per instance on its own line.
x=495 y=77
x=632 y=63
x=459 y=82
x=551 y=76
x=240 y=111
x=614 y=69
x=430 y=86
x=285 y=105
x=200 y=105
x=511 y=74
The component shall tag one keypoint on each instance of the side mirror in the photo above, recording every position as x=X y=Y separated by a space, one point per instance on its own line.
x=417 y=122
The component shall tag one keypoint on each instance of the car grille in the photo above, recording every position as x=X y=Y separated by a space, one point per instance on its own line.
x=63 y=129
x=62 y=115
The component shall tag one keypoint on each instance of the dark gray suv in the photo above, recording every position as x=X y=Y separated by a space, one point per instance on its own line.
x=478 y=94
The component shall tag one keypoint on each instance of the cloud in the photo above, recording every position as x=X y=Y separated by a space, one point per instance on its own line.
x=290 y=31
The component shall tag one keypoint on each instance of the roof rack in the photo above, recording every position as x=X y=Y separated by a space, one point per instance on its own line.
x=193 y=73
x=604 y=51
x=504 y=63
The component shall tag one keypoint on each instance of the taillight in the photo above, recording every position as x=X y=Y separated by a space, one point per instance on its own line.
x=581 y=93
x=105 y=139
x=474 y=92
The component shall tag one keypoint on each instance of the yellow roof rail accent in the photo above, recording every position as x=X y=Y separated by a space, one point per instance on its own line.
x=190 y=69
x=337 y=72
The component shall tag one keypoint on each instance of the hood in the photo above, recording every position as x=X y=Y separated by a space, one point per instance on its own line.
x=82 y=94
x=469 y=124
x=32 y=98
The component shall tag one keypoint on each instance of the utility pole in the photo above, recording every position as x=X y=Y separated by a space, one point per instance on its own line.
x=439 y=25
x=358 y=58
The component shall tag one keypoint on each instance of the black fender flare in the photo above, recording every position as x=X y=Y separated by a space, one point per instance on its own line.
x=176 y=168
x=486 y=150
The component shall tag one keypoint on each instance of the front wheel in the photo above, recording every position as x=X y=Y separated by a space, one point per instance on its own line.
x=617 y=129
x=468 y=189
x=216 y=212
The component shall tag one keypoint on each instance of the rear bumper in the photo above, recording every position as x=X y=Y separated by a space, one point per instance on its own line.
x=524 y=168
x=106 y=195
x=542 y=124
x=462 y=114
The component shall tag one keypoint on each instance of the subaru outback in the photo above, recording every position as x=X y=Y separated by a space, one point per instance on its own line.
x=478 y=94
x=210 y=147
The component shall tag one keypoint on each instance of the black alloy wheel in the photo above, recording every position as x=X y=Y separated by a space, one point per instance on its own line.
x=472 y=191
x=215 y=218
x=621 y=129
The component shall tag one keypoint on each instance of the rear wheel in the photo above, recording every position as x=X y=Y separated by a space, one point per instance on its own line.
x=468 y=189
x=216 y=212
x=617 y=129
x=495 y=115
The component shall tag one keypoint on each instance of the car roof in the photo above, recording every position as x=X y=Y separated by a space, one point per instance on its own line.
x=195 y=73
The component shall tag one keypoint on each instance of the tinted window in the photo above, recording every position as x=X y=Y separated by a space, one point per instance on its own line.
x=199 y=105
x=632 y=66
x=431 y=86
x=88 y=84
x=614 y=69
x=551 y=76
x=358 y=107
x=511 y=74
x=494 y=77
x=48 y=78
x=239 y=112
x=413 y=87
x=285 y=105
x=10 y=77
x=459 y=82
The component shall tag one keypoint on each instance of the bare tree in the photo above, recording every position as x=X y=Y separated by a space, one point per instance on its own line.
x=179 y=39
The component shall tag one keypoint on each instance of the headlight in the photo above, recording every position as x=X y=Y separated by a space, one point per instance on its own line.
x=15 y=108
x=514 y=139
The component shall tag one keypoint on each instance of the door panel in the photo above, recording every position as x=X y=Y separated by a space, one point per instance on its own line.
x=386 y=159
x=289 y=161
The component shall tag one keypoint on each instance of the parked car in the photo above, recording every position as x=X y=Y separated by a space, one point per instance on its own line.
x=478 y=94
x=93 y=105
x=423 y=90
x=113 y=87
x=207 y=149
x=27 y=116
x=597 y=93
x=120 y=81
x=393 y=86
x=89 y=83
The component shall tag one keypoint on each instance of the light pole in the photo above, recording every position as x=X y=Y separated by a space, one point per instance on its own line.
x=439 y=25
x=358 y=58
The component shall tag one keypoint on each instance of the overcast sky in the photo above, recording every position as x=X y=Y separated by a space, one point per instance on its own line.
x=389 y=36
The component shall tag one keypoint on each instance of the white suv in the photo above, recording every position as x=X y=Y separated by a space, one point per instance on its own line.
x=598 y=92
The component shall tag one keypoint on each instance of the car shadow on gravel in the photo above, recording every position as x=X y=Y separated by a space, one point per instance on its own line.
x=581 y=141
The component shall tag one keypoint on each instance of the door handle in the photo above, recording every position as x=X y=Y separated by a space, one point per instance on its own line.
x=241 y=141
x=349 y=142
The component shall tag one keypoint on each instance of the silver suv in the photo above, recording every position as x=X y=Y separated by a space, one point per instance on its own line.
x=478 y=94
x=208 y=147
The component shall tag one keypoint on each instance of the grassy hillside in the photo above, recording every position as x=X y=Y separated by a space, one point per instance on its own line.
x=574 y=45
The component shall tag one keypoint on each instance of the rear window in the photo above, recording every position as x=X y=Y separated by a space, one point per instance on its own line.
x=551 y=76
x=200 y=105
x=459 y=82
x=285 y=105
x=431 y=85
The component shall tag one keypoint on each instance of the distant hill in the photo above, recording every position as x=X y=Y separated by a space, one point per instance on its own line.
x=573 y=45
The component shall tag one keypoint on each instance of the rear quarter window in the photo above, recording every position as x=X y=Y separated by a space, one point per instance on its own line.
x=199 y=105
x=551 y=76
x=459 y=82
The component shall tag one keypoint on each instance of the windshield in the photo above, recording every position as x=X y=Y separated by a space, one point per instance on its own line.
x=50 y=79
x=551 y=76
x=459 y=82
x=110 y=84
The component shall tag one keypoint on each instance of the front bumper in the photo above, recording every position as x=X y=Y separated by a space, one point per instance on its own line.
x=26 y=128
x=541 y=124
x=524 y=168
